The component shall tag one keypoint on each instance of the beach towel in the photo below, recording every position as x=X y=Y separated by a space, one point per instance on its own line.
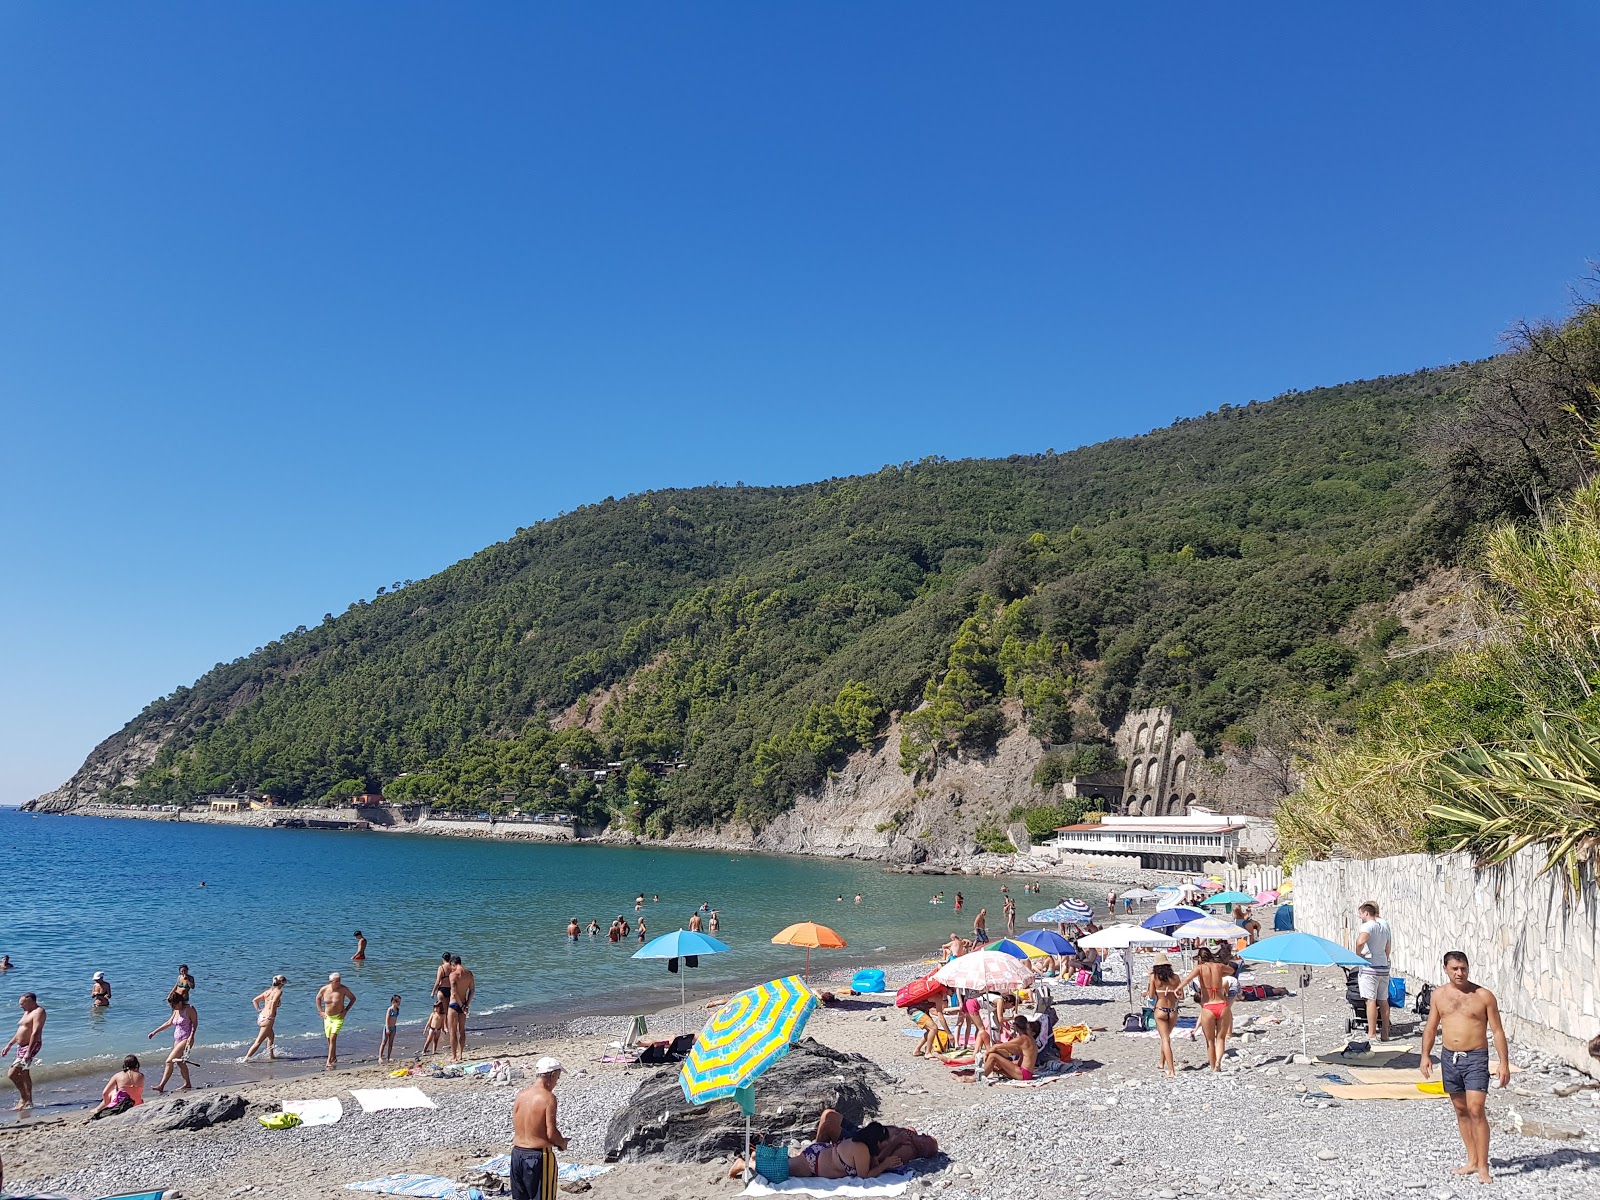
x=1382 y=1091
x=406 y=1183
x=883 y=1185
x=500 y=1164
x=382 y=1099
x=315 y=1112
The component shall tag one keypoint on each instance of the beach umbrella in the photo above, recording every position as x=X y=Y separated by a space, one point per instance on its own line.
x=1046 y=940
x=1017 y=948
x=1138 y=895
x=1301 y=950
x=1124 y=937
x=810 y=935
x=1082 y=911
x=984 y=971
x=1208 y=927
x=681 y=943
x=1167 y=919
x=1228 y=898
x=1267 y=897
x=742 y=1039
x=1053 y=916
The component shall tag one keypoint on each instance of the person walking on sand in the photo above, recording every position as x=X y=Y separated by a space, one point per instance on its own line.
x=462 y=987
x=28 y=1040
x=1216 y=1008
x=334 y=1002
x=123 y=1091
x=361 y=948
x=184 y=1023
x=1466 y=1014
x=266 y=1014
x=1165 y=992
x=390 y=1020
x=535 y=1136
x=1372 y=943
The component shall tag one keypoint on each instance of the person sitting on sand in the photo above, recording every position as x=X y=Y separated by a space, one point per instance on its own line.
x=124 y=1090
x=1246 y=922
x=184 y=1023
x=99 y=991
x=267 y=1004
x=1015 y=1057
x=334 y=1002
x=929 y=1017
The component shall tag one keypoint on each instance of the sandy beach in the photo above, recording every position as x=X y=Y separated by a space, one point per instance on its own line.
x=1111 y=1128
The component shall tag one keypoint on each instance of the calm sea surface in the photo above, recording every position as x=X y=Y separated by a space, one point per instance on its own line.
x=85 y=894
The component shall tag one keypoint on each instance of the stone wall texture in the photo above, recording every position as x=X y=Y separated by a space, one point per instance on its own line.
x=1535 y=948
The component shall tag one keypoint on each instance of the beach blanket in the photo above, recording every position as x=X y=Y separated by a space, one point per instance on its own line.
x=382 y=1099
x=1381 y=1091
x=500 y=1164
x=883 y=1185
x=406 y=1183
x=315 y=1112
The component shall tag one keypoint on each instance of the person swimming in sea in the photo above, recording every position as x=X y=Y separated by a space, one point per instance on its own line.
x=361 y=948
x=572 y=929
x=594 y=927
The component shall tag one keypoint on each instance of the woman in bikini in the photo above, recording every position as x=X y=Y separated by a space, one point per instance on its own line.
x=1165 y=991
x=184 y=1023
x=1216 y=1008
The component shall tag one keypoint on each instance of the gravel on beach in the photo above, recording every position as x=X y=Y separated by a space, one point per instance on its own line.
x=1113 y=1128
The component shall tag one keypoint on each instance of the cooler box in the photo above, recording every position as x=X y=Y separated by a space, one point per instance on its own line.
x=869 y=980
x=917 y=991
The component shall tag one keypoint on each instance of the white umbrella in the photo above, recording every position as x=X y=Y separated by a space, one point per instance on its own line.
x=1138 y=894
x=1123 y=937
x=984 y=971
x=1209 y=927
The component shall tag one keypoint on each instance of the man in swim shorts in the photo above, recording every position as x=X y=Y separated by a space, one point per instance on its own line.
x=334 y=1002
x=572 y=930
x=535 y=1137
x=1466 y=1014
x=361 y=947
x=1372 y=979
x=28 y=1040
x=462 y=987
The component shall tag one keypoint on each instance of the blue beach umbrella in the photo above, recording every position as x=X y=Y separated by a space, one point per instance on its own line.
x=1301 y=950
x=1047 y=940
x=1017 y=949
x=1082 y=911
x=742 y=1039
x=681 y=943
x=1167 y=919
x=1055 y=916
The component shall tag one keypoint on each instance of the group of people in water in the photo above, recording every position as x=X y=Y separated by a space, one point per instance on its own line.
x=621 y=930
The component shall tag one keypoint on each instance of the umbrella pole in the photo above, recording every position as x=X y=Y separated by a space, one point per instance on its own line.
x=683 y=1003
x=746 y=1173
x=1305 y=1050
x=808 y=964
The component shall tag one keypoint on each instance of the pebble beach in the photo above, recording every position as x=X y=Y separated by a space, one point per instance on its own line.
x=1111 y=1128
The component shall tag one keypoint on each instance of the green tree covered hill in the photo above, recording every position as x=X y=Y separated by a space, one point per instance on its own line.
x=761 y=634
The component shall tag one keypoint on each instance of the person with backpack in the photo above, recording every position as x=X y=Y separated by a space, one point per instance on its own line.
x=1373 y=940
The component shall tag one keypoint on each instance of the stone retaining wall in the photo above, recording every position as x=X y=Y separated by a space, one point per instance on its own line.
x=1536 y=950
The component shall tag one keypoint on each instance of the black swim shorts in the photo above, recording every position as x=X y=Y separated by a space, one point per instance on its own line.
x=1465 y=1070
x=533 y=1174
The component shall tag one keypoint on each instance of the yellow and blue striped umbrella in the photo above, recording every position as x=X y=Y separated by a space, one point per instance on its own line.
x=744 y=1037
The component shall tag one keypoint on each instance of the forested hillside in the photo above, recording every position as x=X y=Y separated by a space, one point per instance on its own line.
x=761 y=634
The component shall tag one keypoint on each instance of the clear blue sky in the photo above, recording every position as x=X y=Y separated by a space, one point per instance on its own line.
x=301 y=299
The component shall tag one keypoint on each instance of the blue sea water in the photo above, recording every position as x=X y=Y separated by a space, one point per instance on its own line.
x=124 y=897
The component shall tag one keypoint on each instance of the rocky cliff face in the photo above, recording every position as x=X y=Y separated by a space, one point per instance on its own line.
x=872 y=809
x=117 y=761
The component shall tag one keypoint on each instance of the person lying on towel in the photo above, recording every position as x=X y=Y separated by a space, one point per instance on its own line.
x=866 y=1153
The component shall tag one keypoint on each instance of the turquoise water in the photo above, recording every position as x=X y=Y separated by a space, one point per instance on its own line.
x=124 y=897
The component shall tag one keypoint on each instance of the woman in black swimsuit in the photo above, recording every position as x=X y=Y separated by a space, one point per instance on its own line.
x=1165 y=990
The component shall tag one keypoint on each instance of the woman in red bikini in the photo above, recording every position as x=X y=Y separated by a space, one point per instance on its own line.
x=1216 y=1009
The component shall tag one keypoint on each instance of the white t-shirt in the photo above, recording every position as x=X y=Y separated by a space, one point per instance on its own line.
x=1376 y=951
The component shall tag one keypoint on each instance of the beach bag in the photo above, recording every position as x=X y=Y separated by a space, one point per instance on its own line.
x=1133 y=1023
x=1424 y=1000
x=772 y=1163
x=1397 y=993
x=1082 y=978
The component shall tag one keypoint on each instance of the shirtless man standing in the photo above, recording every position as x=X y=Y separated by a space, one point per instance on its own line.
x=462 y=986
x=535 y=1137
x=361 y=947
x=695 y=923
x=1467 y=1013
x=334 y=1001
x=572 y=930
x=266 y=1013
x=28 y=1039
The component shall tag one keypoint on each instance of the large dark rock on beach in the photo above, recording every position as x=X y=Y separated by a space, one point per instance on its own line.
x=658 y=1123
x=184 y=1112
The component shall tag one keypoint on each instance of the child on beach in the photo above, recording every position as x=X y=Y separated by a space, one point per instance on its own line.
x=434 y=1029
x=390 y=1020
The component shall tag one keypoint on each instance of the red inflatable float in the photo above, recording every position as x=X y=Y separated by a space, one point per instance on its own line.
x=918 y=990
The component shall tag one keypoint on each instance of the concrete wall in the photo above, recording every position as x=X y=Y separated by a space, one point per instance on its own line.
x=1538 y=952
